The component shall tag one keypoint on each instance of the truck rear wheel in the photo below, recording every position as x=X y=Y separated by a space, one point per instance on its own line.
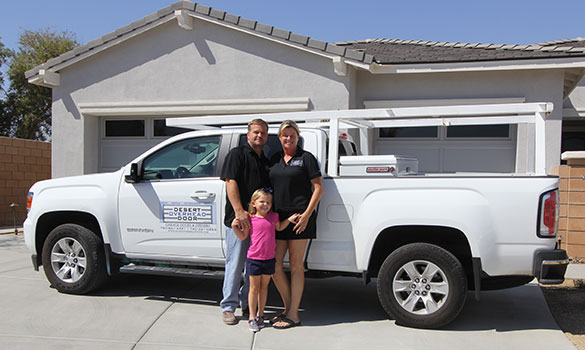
x=74 y=259
x=422 y=285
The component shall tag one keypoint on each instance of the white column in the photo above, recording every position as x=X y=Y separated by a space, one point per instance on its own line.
x=332 y=163
x=540 y=144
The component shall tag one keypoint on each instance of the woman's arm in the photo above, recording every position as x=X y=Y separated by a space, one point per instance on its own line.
x=303 y=218
x=241 y=233
x=279 y=226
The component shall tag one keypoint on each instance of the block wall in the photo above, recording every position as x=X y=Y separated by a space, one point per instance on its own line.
x=572 y=209
x=22 y=163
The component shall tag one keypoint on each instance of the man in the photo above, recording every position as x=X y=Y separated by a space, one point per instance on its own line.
x=245 y=170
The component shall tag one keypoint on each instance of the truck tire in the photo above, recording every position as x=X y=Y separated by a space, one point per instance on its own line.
x=74 y=259
x=422 y=285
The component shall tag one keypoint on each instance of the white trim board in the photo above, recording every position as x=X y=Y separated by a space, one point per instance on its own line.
x=201 y=107
x=440 y=102
x=494 y=65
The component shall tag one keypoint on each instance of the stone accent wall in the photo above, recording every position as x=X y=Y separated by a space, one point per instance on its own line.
x=22 y=163
x=572 y=199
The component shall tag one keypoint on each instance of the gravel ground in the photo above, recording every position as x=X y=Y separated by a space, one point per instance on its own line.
x=567 y=305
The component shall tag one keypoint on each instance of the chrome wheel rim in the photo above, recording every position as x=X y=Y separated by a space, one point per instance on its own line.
x=420 y=287
x=68 y=260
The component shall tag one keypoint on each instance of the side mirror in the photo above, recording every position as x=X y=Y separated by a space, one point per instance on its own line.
x=135 y=174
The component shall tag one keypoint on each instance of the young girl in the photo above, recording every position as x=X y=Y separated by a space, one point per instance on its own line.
x=260 y=262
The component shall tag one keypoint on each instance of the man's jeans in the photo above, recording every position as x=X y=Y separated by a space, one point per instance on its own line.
x=235 y=262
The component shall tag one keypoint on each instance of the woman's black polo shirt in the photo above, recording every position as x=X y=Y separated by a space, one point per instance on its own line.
x=250 y=172
x=292 y=182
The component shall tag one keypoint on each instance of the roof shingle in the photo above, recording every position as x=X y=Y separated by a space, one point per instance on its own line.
x=393 y=51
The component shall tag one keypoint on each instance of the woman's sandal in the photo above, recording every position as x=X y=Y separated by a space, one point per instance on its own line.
x=288 y=323
x=277 y=318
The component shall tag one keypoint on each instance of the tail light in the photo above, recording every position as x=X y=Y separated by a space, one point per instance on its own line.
x=29 y=199
x=548 y=216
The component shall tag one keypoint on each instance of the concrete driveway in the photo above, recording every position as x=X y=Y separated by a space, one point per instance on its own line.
x=144 y=312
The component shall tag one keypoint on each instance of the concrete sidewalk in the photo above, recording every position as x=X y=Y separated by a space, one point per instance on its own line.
x=575 y=272
x=143 y=312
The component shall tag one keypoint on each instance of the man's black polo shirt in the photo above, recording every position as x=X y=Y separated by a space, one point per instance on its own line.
x=250 y=172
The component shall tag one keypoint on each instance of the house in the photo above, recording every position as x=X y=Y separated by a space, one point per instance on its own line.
x=111 y=96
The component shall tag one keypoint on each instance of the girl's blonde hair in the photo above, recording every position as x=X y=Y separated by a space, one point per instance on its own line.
x=257 y=194
x=288 y=124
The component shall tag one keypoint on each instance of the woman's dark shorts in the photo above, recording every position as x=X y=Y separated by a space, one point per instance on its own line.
x=260 y=267
x=288 y=233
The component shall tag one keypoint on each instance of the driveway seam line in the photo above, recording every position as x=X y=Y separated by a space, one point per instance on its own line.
x=152 y=325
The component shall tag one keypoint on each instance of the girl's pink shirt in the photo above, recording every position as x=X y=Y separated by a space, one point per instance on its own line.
x=263 y=237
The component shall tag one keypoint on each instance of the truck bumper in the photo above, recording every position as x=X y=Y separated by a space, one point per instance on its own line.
x=550 y=265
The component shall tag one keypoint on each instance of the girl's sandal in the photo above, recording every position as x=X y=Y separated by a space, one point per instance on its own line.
x=253 y=326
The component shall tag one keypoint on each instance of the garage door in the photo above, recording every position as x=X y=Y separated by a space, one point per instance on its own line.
x=480 y=148
x=123 y=139
x=483 y=148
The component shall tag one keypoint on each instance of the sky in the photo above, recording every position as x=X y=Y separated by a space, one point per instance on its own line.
x=469 y=21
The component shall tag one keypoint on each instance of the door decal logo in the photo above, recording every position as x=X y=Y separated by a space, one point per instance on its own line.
x=172 y=212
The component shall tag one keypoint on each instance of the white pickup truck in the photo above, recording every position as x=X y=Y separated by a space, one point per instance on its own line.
x=427 y=238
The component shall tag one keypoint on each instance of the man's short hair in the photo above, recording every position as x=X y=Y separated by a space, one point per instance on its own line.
x=257 y=122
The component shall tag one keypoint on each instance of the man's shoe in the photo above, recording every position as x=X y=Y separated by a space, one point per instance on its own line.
x=229 y=318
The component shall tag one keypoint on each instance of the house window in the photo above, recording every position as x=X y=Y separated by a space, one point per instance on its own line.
x=161 y=129
x=573 y=137
x=463 y=131
x=413 y=132
x=125 y=128
x=479 y=131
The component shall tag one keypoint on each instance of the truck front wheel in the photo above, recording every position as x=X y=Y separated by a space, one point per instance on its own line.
x=422 y=285
x=74 y=259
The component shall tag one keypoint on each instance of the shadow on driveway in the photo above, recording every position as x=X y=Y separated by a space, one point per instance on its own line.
x=340 y=300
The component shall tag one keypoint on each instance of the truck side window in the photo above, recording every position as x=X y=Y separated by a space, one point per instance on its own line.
x=271 y=147
x=196 y=157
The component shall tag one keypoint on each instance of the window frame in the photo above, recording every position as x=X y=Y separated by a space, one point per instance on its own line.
x=106 y=120
x=442 y=136
x=154 y=119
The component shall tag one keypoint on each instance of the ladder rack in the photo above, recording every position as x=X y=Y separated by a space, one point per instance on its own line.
x=364 y=119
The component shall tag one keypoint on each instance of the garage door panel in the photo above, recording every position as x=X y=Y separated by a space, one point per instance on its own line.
x=500 y=160
x=116 y=153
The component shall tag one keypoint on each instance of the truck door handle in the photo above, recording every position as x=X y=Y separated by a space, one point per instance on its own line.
x=203 y=195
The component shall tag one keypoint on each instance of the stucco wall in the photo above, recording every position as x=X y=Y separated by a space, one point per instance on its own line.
x=168 y=63
x=533 y=85
x=575 y=104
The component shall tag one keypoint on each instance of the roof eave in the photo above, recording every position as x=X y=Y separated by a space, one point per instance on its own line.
x=184 y=12
x=76 y=55
x=316 y=47
x=495 y=65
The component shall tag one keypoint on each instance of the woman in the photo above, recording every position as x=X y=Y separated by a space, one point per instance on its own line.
x=296 y=179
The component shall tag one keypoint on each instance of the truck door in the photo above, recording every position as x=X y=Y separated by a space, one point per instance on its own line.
x=177 y=209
